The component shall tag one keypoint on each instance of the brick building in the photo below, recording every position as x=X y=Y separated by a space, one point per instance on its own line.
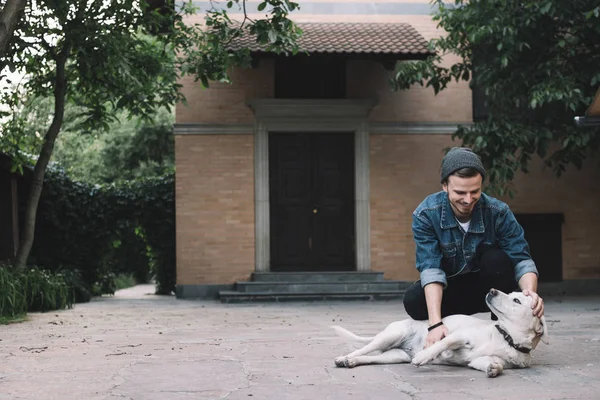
x=313 y=164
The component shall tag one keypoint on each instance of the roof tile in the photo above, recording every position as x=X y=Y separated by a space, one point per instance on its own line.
x=344 y=38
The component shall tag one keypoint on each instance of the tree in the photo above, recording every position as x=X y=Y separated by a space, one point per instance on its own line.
x=108 y=57
x=10 y=15
x=537 y=64
x=128 y=150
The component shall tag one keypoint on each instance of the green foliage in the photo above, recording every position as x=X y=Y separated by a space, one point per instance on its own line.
x=102 y=231
x=106 y=284
x=118 y=57
x=129 y=149
x=45 y=291
x=12 y=295
x=124 y=281
x=13 y=320
x=125 y=57
x=34 y=290
x=19 y=134
x=537 y=63
x=110 y=62
x=208 y=55
x=150 y=202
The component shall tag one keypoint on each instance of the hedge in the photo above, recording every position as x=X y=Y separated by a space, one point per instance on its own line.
x=100 y=231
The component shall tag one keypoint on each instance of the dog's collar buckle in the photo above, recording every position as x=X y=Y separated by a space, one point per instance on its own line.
x=510 y=341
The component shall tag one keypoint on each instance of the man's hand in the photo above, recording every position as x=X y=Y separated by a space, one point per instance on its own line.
x=537 y=304
x=435 y=335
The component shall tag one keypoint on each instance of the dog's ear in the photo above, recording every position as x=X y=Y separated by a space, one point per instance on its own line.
x=541 y=329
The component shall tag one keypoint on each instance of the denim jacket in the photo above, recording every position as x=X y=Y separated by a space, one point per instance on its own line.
x=443 y=248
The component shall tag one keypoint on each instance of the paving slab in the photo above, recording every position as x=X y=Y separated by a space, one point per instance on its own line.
x=136 y=345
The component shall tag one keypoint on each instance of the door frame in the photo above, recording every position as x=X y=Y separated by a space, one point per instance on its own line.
x=293 y=116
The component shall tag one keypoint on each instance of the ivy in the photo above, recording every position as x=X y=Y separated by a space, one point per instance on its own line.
x=102 y=230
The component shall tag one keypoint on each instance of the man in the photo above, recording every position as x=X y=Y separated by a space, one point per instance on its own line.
x=466 y=243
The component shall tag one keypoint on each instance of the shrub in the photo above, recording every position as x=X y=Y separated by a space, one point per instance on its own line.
x=12 y=296
x=102 y=231
x=34 y=289
x=123 y=281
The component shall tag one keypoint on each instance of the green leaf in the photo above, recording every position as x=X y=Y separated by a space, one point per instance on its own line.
x=204 y=80
x=546 y=8
x=272 y=36
x=262 y=6
x=533 y=103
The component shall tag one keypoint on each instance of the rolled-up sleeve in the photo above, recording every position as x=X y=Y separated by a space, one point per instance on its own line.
x=525 y=267
x=428 y=253
x=512 y=241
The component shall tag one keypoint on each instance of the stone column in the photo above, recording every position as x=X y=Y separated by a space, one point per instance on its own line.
x=362 y=208
x=261 y=198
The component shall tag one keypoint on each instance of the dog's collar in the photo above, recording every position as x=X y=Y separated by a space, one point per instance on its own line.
x=510 y=341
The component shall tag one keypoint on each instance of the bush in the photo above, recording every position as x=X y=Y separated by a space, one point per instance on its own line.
x=154 y=210
x=34 y=289
x=45 y=291
x=100 y=231
x=123 y=281
x=12 y=296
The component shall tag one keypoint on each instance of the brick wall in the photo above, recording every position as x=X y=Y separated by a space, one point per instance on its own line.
x=224 y=103
x=368 y=79
x=215 y=208
x=577 y=195
x=215 y=181
x=215 y=217
x=405 y=169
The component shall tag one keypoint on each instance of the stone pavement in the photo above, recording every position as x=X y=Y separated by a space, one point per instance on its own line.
x=139 y=346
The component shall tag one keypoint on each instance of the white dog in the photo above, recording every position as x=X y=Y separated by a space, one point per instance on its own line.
x=488 y=346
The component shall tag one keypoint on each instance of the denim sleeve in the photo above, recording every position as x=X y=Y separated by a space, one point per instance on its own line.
x=512 y=240
x=428 y=253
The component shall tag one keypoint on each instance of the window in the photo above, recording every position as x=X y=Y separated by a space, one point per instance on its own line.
x=310 y=77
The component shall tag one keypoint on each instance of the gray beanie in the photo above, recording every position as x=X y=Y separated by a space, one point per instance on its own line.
x=458 y=158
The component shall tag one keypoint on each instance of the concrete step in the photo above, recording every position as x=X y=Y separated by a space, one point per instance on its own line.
x=320 y=287
x=241 y=297
x=324 y=277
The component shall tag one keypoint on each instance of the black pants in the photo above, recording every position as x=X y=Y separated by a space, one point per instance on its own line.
x=465 y=294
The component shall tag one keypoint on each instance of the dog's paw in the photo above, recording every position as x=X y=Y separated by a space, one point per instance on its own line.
x=350 y=362
x=421 y=358
x=341 y=361
x=493 y=370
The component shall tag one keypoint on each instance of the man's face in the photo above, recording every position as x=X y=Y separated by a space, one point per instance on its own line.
x=463 y=194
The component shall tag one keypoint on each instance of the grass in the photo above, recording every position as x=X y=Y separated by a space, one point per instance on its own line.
x=123 y=281
x=32 y=289
x=13 y=320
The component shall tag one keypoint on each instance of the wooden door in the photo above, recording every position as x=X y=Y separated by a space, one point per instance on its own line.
x=312 y=201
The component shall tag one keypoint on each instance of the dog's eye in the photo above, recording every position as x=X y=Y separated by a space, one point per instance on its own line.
x=517 y=301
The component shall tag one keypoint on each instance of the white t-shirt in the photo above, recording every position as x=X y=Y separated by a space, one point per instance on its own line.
x=465 y=225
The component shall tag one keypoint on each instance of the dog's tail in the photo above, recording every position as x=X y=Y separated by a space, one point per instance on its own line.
x=346 y=334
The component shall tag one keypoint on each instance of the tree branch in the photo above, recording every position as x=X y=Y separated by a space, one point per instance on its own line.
x=47 y=47
x=246 y=18
x=9 y=18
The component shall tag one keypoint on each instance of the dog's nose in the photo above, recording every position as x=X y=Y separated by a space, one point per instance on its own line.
x=493 y=292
